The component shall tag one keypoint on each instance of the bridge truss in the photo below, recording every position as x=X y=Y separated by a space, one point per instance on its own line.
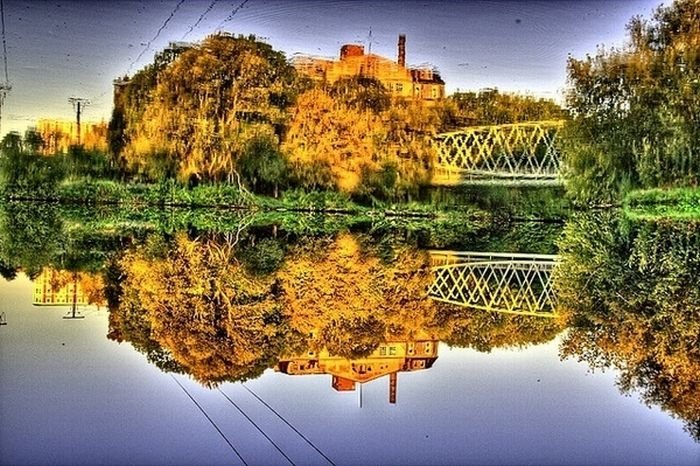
x=519 y=153
x=496 y=282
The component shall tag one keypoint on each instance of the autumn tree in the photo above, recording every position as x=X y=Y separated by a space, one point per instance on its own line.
x=492 y=107
x=215 y=320
x=207 y=104
x=353 y=137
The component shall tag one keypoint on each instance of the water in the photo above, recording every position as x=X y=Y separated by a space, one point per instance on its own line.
x=193 y=338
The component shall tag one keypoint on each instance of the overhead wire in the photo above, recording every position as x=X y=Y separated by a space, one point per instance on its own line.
x=211 y=421
x=309 y=442
x=4 y=41
x=155 y=37
x=200 y=19
x=233 y=403
x=233 y=13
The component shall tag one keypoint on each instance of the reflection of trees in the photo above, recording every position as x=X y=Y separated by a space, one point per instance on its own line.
x=223 y=310
x=30 y=236
x=485 y=331
x=635 y=292
x=36 y=235
x=218 y=321
x=347 y=280
x=215 y=320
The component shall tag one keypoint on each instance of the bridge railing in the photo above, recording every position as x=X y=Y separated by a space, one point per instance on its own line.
x=512 y=152
x=498 y=282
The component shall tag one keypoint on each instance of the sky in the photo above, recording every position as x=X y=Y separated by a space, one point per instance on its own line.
x=60 y=48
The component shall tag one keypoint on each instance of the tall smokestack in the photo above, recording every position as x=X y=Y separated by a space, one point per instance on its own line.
x=402 y=50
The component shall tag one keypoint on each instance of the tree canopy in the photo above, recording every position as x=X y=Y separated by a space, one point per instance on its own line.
x=196 y=114
x=636 y=109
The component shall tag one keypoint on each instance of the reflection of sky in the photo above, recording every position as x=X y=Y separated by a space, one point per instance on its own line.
x=62 y=48
x=93 y=400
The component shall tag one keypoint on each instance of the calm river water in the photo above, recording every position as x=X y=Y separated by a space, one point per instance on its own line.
x=215 y=338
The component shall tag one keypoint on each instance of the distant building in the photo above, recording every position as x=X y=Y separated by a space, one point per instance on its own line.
x=421 y=83
x=389 y=358
x=61 y=288
x=60 y=135
x=50 y=292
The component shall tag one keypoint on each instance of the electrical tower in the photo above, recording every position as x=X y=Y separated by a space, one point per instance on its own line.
x=79 y=105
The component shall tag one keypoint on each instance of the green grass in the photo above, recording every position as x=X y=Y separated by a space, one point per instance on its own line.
x=654 y=204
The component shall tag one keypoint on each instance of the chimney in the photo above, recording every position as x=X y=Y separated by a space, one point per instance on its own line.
x=402 y=50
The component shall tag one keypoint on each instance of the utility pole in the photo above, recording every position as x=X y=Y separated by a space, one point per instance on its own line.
x=74 y=314
x=79 y=105
x=5 y=86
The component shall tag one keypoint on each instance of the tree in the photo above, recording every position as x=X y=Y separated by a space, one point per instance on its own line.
x=263 y=165
x=352 y=137
x=633 y=290
x=635 y=109
x=208 y=103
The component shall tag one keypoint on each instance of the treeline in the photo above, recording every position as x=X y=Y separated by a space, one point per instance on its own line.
x=636 y=109
x=25 y=170
x=233 y=110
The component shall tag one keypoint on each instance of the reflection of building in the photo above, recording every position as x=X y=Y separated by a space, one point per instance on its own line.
x=423 y=83
x=60 y=288
x=389 y=358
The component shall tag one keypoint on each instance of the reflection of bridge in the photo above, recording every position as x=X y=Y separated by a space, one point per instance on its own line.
x=519 y=153
x=502 y=282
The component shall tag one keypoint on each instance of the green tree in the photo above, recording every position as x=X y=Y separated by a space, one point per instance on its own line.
x=635 y=109
x=263 y=165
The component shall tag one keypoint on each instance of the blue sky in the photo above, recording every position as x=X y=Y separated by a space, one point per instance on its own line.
x=60 y=48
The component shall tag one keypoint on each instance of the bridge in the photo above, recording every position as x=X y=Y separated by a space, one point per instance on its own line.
x=510 y=154
x=512 y=283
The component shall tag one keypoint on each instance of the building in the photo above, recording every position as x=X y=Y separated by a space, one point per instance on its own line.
x=389 y=358
x=420 y=83
x=50 y=291
x=59 y=135
x=62 y=288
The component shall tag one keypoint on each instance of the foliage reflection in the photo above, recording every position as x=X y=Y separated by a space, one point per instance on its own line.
x=634 y=289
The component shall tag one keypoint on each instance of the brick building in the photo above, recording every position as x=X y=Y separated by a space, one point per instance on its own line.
x=421 y=83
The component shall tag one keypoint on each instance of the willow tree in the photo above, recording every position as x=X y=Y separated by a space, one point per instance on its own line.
x=209 y=103
x=636 y=109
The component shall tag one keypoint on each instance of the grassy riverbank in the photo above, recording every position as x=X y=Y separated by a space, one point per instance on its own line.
x=678 y=203
x=505 y=203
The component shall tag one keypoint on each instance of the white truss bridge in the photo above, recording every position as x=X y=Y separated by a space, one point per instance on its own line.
x=512 y=283
x=518 y=154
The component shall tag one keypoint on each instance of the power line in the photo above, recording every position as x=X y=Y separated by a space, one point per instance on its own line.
x=257 y=427
x=211 y=421
x=160 y=29
x=309 y=442
x=200 y=19
x=233 y=13
x=5 y=87
x=4 y=41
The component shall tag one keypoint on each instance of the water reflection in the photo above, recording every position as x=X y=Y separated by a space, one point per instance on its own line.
x=634 y=292
x=495 y=282
x=352 y=302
